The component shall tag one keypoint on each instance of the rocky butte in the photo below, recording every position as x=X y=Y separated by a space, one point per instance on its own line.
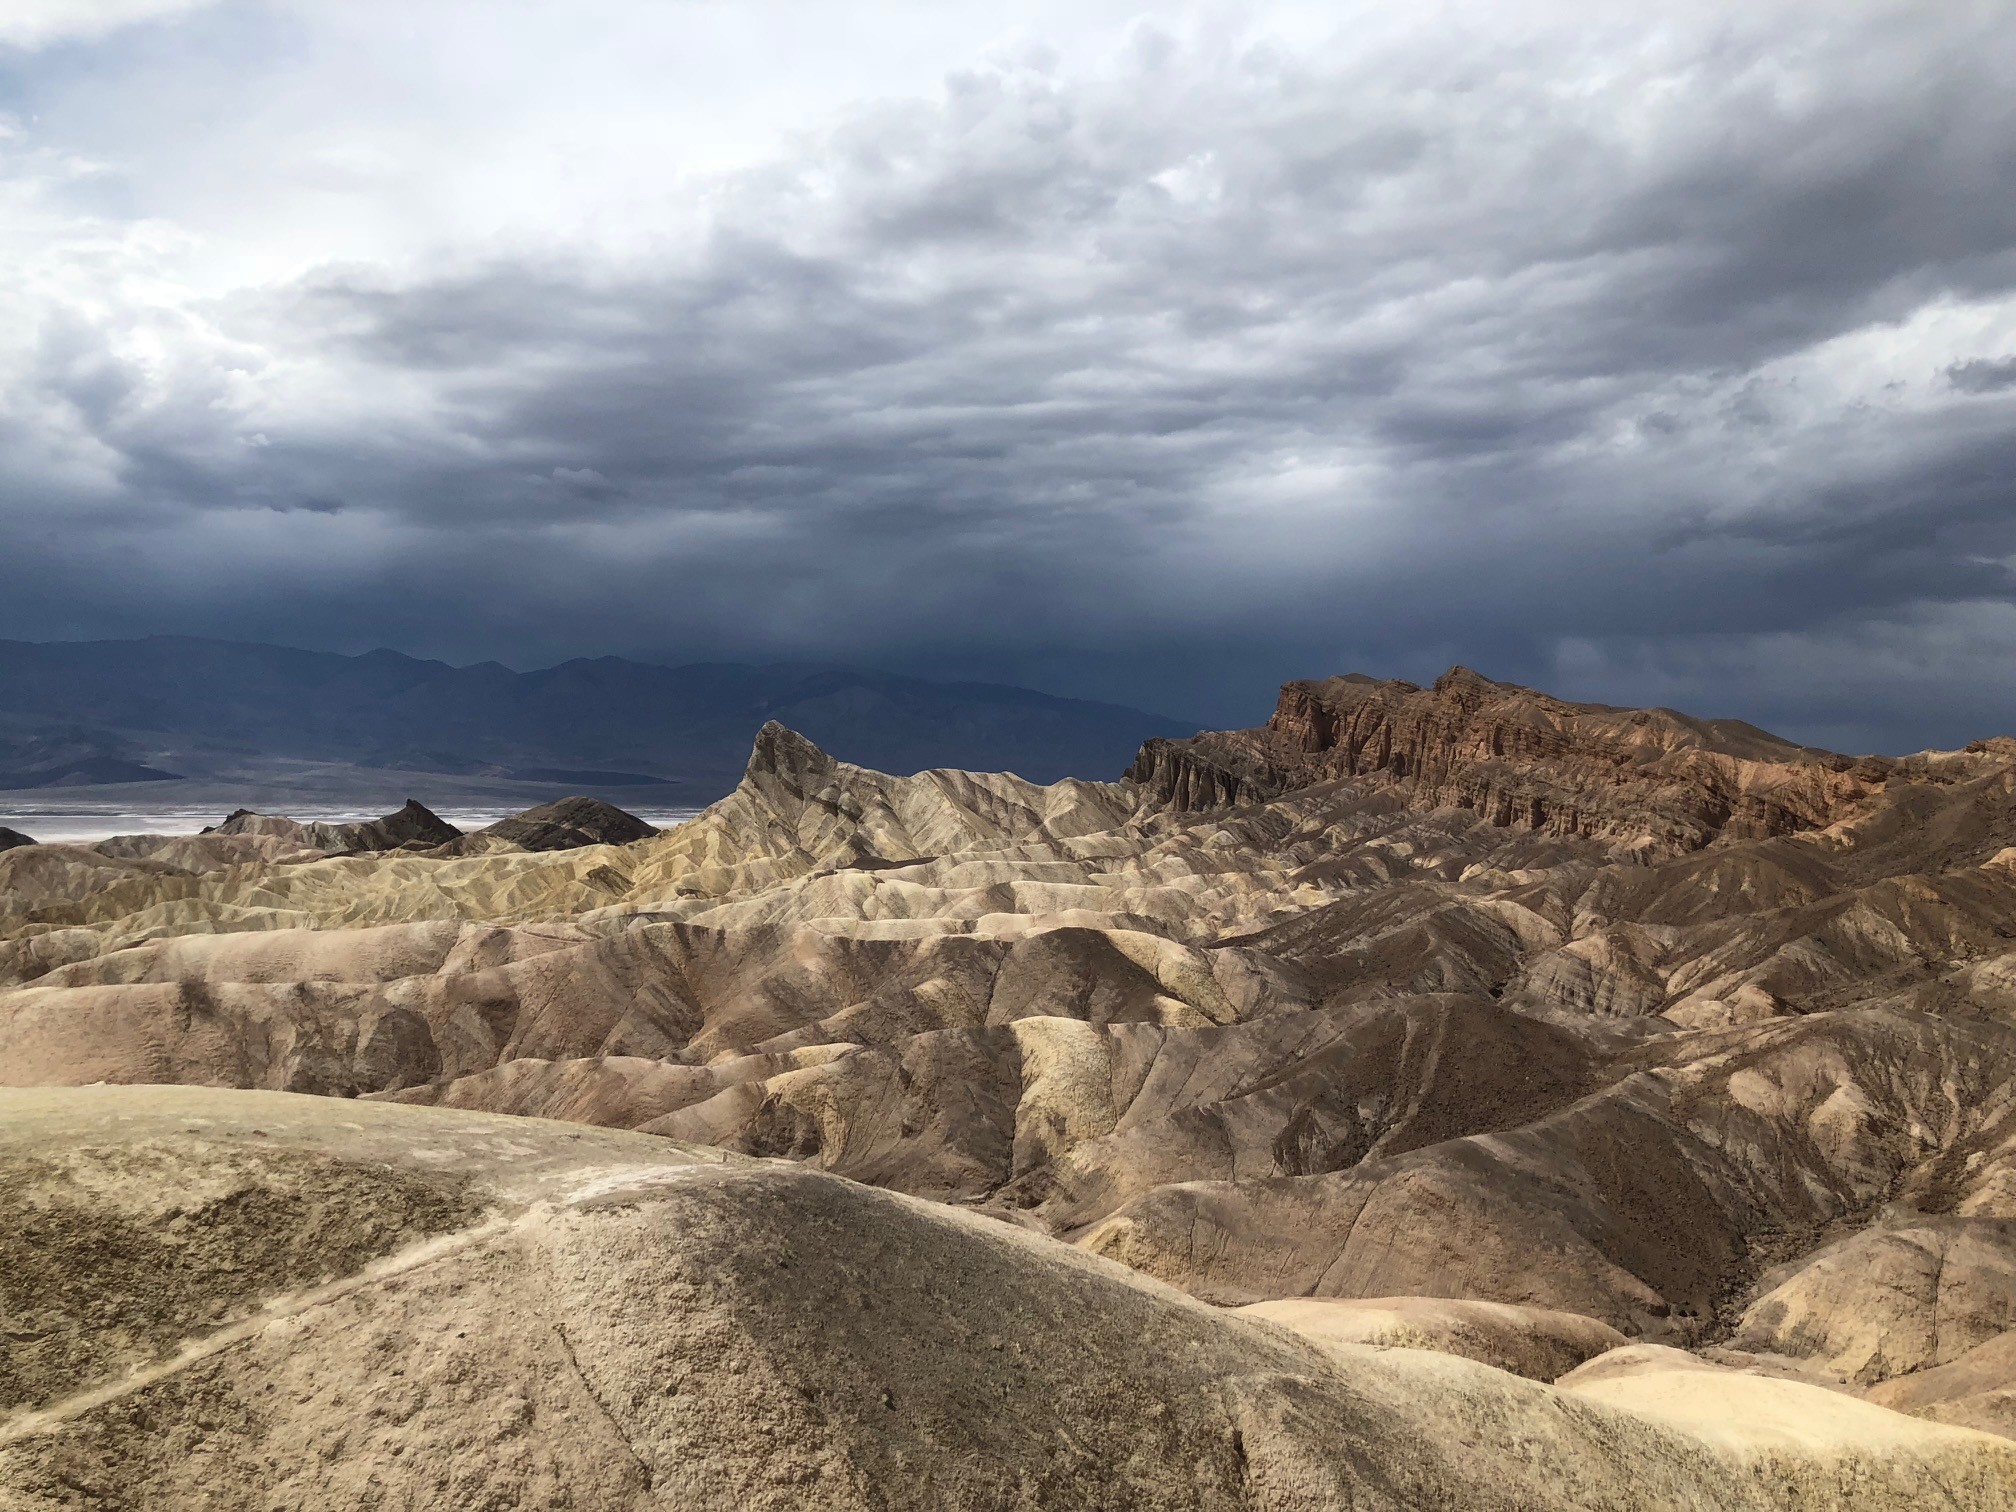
x=1445 y=1097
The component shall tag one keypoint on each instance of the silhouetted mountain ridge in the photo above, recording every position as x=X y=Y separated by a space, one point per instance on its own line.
x=122 y=700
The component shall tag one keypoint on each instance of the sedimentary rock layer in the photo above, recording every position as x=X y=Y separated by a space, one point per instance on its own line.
x=1458 y=993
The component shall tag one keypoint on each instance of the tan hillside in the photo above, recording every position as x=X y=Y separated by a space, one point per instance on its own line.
x=430 y=1310
x=1465 y=1003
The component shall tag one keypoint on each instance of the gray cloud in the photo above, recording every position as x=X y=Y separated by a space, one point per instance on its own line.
x=1641 y=365
x=1982 y=375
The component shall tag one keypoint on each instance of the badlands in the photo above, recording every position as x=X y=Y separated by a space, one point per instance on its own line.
x=1441 y=1097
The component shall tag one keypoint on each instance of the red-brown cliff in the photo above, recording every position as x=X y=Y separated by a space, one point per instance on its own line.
x=1649 y=779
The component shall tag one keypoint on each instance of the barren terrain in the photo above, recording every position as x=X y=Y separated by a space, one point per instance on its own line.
x=1488 y=1100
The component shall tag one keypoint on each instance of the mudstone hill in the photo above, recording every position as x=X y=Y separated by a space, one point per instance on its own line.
x=1440 y=1097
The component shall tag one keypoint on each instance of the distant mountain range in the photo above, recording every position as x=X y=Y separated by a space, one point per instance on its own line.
x=87 y=712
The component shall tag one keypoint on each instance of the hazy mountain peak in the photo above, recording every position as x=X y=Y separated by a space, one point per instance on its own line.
x=206 y=711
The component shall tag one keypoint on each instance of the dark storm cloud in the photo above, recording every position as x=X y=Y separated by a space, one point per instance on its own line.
x=1982 y=375
x=1594 y=371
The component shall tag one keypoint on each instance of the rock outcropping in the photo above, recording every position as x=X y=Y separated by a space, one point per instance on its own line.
x=569 y=824
x=1466 y=1002
x=413 y=826
x=1653 y=780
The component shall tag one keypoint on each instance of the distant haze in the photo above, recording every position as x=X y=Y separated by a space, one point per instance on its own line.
x=155 y=715
x=59 y=824
x=1149 y=355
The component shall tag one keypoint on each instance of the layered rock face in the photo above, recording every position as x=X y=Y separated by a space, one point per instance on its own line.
x=569 y=824
x=1473 y=1006
x=1656 y=781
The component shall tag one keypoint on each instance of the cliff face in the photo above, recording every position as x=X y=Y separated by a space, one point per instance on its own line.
x=1199 y=773
x=1649 y=779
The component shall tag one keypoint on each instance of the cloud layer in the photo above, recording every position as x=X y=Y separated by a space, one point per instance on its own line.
x=1157 y=362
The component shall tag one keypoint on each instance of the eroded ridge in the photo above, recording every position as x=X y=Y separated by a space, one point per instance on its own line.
x=634 y=1324
x=1459 y=992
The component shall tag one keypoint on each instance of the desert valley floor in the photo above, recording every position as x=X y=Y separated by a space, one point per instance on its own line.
x=1439 y=1097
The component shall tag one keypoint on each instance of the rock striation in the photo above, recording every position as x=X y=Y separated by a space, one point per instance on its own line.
x=1656 y=781
x=1459 y=1019
x=414 y=825
x=569 y=824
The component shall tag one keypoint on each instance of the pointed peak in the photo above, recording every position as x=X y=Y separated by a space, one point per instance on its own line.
x=781 y=749
x=1462 y=679
x=569 y=823
x=415 y=823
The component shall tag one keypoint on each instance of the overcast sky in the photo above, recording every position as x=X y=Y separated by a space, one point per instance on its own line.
x=1154 y=354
